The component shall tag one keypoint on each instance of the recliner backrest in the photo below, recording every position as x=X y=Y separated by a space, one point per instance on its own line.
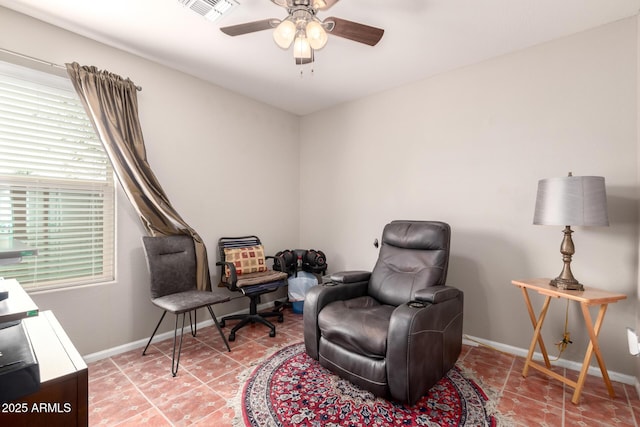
x=172 y=264
x=413 y=256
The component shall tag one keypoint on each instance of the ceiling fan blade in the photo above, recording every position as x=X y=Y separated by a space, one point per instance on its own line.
x=354 y=31
x=320 y=4
x=250 y=27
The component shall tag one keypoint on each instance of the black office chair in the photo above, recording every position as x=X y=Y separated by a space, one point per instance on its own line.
x=244 y=269
x=172 y=266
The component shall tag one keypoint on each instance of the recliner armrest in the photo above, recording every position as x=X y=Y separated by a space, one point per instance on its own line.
x=431 y=328
x=350 y=276
x=436 y=294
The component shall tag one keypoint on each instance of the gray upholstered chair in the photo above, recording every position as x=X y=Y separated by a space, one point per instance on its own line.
x=172 y=267
x=395 y=331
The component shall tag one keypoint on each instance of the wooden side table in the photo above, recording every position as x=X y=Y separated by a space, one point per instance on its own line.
x=586 y=298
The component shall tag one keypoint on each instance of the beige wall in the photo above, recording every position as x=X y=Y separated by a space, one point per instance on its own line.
x=196 y=134
x=468 y=147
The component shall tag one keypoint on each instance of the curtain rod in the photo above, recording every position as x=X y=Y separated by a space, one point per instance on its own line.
x=41 y=61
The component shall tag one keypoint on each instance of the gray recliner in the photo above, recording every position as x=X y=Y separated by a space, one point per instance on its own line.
x=395 y=331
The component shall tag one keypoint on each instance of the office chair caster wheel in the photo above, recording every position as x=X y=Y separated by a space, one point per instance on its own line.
x=232 y=336
x=272 y=334
x=221 y=323
x=280 y=319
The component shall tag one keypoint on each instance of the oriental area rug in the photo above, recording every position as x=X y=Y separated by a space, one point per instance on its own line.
x=291 y=389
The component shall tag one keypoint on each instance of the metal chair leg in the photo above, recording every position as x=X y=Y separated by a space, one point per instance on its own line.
x=194 y=323
x=174 y=366
x=215 y=320
x=153 y=334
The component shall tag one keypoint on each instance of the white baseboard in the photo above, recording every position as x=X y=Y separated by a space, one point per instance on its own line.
x=468 y=340
x=576 y=366
x=94 y=357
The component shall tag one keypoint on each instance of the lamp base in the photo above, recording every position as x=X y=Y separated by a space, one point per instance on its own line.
x=568 y=285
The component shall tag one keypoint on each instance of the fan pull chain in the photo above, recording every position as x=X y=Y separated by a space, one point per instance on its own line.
x=302 y=71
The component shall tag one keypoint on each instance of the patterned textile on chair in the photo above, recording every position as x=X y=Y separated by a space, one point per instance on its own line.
x=244 y=269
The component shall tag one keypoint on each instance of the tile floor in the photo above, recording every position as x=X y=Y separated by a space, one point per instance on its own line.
x=132 y=390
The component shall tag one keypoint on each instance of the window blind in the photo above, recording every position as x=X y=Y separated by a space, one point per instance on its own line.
x=56 y=183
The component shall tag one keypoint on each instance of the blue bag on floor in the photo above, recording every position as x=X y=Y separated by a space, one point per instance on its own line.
x=298 y=287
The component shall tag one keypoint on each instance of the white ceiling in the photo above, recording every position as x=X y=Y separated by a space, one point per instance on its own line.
x=422 y=38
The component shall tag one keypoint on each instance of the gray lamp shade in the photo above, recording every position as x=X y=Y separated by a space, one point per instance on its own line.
x=571 y=200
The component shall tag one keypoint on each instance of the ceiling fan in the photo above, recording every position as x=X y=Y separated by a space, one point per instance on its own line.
x=305 y=30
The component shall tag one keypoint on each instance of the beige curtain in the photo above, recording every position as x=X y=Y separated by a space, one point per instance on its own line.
x=112 y=105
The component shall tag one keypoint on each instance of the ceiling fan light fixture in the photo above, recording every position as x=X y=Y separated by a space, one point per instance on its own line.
x=316 y=35
x=284 y=34
x=319 y=4
x=301 y=46
x=302 y=28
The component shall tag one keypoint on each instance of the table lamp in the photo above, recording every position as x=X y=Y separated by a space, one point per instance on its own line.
x=570 y=200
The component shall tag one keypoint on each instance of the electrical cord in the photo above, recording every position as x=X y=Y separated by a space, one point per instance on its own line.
x=566 y=335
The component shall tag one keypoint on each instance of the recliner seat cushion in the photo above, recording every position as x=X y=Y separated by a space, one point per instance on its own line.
x=359 y=325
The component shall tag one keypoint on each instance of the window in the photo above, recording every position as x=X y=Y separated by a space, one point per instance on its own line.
x=56 y=183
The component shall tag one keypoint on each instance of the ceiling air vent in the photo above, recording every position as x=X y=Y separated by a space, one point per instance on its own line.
x=210 y=9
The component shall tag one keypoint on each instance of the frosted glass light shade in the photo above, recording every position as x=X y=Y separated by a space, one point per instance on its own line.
x=571 y=200
x=284 y=34
x=301 y=47
x=316 y=35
